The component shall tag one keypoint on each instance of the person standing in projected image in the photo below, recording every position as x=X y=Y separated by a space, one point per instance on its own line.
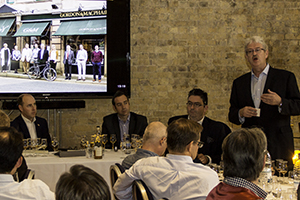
x=97 y=57
x=68 y=59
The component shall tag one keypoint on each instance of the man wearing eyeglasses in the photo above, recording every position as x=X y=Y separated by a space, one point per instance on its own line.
x=213 y=132
x=175 y=176
x=266 y=97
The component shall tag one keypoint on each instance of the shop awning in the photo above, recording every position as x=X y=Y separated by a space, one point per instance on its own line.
x=82 y=27
x=31 y=29
x=5 y=25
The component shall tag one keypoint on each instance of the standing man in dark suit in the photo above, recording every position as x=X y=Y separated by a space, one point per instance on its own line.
x=28 y=123
x=43 y=56
x=123 y=121
x=266 y=97
x=68 y=59
x=213 y=132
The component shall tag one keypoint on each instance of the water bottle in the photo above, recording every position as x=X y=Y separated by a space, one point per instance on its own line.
x=266 y=174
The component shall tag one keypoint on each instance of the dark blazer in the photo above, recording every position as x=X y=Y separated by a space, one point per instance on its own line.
x=137 y=125
x=41 y=126
x=45 y=56
x=70 y=58
x=276 y=125
x=212 y=135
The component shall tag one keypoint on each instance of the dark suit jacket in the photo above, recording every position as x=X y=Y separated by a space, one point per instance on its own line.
x=137 y=125
x=212 y=135
x=70 y=58
x=41 y=126
x=45 y=56
x=275 y=125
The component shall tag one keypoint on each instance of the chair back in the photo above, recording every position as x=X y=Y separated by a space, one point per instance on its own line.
x=140 y=191
x=115 y=171
x=30 y=174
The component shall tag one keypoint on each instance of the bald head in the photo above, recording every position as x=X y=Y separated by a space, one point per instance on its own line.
x=154 y=138
x=4 y=119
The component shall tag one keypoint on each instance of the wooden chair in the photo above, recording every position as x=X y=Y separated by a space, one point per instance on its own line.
x=115 y=171
x=140 y=191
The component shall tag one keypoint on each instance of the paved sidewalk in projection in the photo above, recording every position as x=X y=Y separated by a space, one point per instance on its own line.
x=19 y=82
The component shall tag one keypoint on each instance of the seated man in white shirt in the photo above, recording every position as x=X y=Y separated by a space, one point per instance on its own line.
x=11 y=148
x=154 y=144
x=175 y=176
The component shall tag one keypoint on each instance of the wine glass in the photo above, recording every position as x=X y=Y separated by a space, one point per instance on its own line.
x=104 y=140
x=25 y=144
x=273 y=167
x=268 y=187
x=44 y=143
x=284 y=169
x=38 y=143
x=93 y=139
x=54 y=143
x=33 y=143
x=277 y=190
x=29 y=143
x=278 y=165
x=113 y=139
x=83 y=141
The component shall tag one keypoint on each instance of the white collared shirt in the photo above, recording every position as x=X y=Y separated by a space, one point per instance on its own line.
x=30 y=126
x=258 y=84
x=174 y=177
x=27 y=189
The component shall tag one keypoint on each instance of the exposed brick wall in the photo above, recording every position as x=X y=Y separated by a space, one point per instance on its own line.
x=180 y=44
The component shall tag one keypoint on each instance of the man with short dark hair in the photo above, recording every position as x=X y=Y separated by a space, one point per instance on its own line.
x=11 y=148
x=244 y=153
x=154 y=144
x=28 y=123
x=213 y=132
x=123 y=122
x=81 y=183
x=175 y=176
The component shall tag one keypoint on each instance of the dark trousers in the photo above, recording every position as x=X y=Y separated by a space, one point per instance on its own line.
x=97 y=66
x=53 y=64
x=68 y=70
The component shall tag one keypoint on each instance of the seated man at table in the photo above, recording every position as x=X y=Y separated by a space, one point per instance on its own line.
x=5 y=122
x=11 y=148
x=123 y=122
x=244 y=153
x=28 y=123
x=81 y=183
x=154 y=144
x=175 y=176
x=213 y=132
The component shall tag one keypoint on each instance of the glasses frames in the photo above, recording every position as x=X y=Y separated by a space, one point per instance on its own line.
x=196 y=104
x=257 y=50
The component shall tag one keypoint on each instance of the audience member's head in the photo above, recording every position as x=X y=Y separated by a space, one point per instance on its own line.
x=27 y=106
x=197 y=104
x=121 y=104
x=4 y=119
x=244 y=152
x=154 y=138
x=11 y=148
x=81 y=183
x=184 y=137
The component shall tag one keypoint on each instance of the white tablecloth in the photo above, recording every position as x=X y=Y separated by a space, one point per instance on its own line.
x=49 y=169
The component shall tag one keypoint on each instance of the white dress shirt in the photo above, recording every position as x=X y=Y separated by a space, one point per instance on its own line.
x=27 y=189
x=174 y=177
x=30 y=126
